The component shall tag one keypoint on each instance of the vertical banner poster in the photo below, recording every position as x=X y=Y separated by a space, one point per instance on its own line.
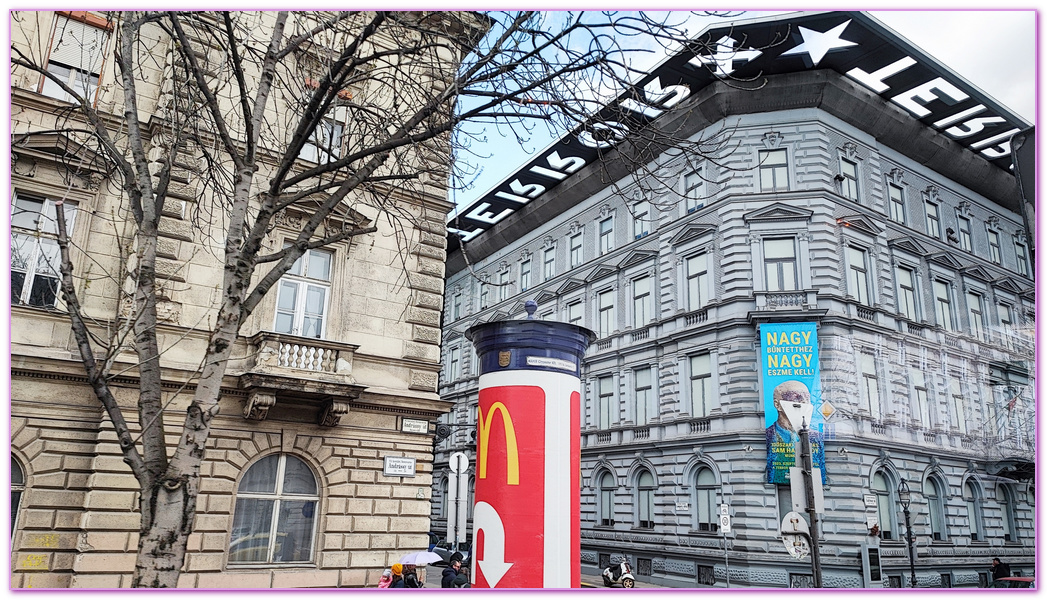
x=789 y=365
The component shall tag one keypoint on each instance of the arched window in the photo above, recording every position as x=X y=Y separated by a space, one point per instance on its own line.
x=605 y=506
x=934 y=493
x=275 y=514
x=17 y=487
x=445 y=498
x=645 y=488
x=705 y=500
x=972 y=496
x=886 y=505
x=1006 y=498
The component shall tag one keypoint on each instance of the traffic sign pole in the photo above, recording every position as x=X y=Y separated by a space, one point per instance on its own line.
x=725 y=527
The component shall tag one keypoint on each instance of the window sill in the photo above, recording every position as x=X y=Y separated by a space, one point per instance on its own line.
x=254 y=567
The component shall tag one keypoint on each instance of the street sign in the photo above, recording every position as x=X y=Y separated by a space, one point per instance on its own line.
x=799 y=494
x=796 y=535
x=398 y=466
x=457 y=498
x=725 y=524
x=414 y=426
x=723 y=510
x=459 y=463
x=870 y=500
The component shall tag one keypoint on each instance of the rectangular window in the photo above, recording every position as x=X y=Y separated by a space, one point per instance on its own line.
x=692 y=190
x=994 y=247
x=549 y=263
x=324 y=144
x=780 y=264
x=942 y=305
x=576 y=250
x=933 y=221
x=976 y=306
x=605 y=392
x=454 y=366
x=525 y=275
x=484 y=294
x=697 y=281
x=642 y=301
x=456 y=307
x=701 y=385
x=897 y=199
x=906 y=292
x=1023 y=258
x=574 y=313
x=606 y=235
x=503 y=285
x=774 y=171
x=76 y=58
x=849 y=181
x=1003 y=311
x=921 y=409
x=958 y=418
x=301 y=302
x=858 y=280
x=965 y=233
x=35 y=257
x=644 y=395
x=870 y=387
x=605 y=310
x=641 y=219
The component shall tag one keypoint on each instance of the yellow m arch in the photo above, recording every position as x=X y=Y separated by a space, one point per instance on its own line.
x=512 y=452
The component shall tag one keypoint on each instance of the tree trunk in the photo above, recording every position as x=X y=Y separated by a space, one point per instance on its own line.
x=162 y=545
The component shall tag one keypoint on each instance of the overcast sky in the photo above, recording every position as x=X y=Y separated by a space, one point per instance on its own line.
x=993 y=49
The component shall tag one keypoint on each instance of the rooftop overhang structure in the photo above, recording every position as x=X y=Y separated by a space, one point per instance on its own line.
x=846 y=63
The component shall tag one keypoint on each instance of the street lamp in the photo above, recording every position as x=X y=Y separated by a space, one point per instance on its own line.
x=905 y=497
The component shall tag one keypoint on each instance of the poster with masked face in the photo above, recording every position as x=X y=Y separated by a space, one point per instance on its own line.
x=792 y=395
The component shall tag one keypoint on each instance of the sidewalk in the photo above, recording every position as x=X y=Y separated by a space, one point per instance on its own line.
x=432 y=580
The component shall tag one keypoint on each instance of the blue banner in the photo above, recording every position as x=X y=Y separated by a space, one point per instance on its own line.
x=789 y=364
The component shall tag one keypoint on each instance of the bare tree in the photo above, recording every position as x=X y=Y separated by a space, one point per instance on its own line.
x=343 y=119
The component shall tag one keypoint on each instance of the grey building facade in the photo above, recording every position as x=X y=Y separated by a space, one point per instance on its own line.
x=831 y=205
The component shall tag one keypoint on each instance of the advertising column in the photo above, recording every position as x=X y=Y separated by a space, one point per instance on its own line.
x=526 y=521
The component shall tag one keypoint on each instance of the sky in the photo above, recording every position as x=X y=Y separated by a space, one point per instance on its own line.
x=995 y=50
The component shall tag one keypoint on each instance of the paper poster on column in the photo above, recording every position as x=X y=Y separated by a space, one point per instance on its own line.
x=791 y=377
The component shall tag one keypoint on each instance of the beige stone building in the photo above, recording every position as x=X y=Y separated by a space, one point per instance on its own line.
x=334 y=373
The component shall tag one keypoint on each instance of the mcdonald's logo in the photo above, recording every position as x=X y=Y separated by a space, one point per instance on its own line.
x=512 y=453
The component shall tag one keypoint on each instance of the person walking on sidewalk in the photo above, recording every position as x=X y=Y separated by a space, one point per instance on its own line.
x=999 y=571
x=450 y=573
x=398 y=576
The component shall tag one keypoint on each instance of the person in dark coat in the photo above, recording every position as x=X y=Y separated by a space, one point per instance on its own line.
x=999 y=571
x=462 y=581
x=398 y=579
x=411 y=577
x=450 y=573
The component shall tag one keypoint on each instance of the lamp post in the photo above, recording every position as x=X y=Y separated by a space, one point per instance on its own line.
x=905 y=497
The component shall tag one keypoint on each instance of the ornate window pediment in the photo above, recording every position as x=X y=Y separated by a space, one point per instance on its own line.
x=945 y=259
x=692 y=232
x=778 y=212
x=1008 y=284
x=978 y=272
x=861 y=223
x=545 y=296
x=636 y=257
x=600 y=272
x=569 y=286
x=908 y=245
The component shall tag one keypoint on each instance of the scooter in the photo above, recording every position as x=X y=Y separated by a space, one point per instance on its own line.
x=621 y=573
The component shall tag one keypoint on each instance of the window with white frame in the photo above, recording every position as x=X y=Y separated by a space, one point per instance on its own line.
x=17 y=489
x=503 y=285
x=641 y=219
x=896 y=197
x=958 y=418
x=933 y=492
x=779 y=257
x=697 y=268
x=870 y=387
x=576 y=249
x=774 y=171
x=943 y=305
x=964 y=224
x=645 y=488
x=485 y=293
x=705 y=513
x=549 y=263
x=301 y=303
x=574 y=313
x=643 y=301
x=606 y=507
x=525 y=275
x=886 y=503
x=972 y=497
x=692 y=190
x=849 y=181
x=921 y=409
x=932 y=220
x=275 y=516
x=701 y=385
x=76 y=58
x=606 y=235
x=35 y=257
x=605 y=312
x=906 y=292
x=1005 y=496
x=1023 y=258
x=456 y=306
x=605 y=400
x=858 y=274
x=644 y=394
x=325 y=143
x=976 y=314
x=454 y=364
x=994 y=247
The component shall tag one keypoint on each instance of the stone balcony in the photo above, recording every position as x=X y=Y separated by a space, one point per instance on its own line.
x=293 y=369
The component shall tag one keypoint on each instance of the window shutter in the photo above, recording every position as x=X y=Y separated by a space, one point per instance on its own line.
x=78 y=45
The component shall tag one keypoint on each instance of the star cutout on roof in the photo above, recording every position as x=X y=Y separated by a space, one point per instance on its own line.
x=725 y=56
x=818 y=44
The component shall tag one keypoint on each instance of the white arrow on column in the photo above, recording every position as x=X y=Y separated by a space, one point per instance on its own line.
x=486 y=518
